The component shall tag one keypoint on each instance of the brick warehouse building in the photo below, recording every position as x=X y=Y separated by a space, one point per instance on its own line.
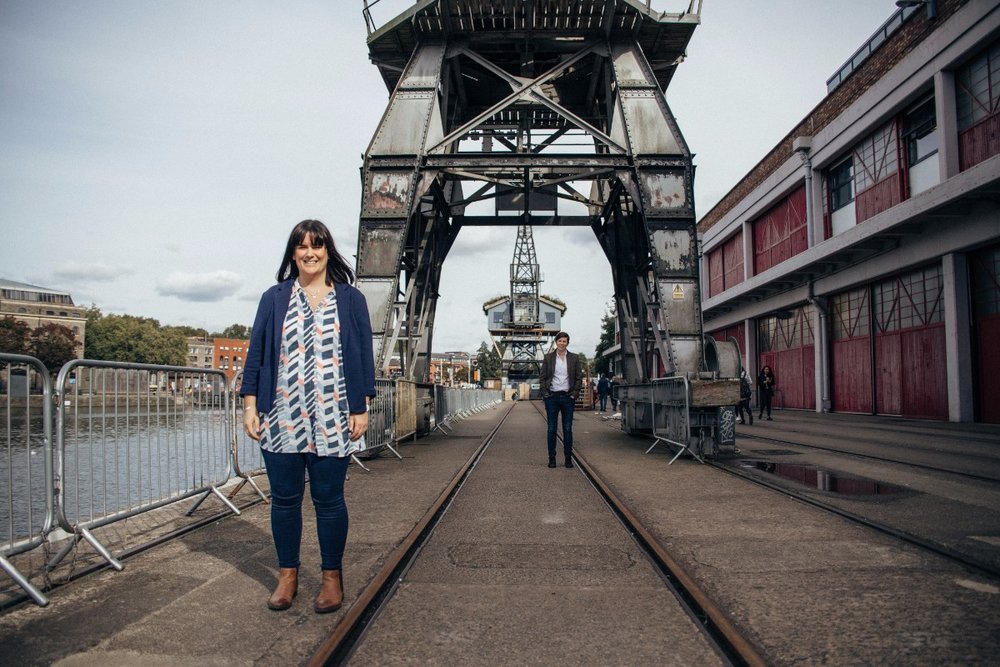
x=860 y=258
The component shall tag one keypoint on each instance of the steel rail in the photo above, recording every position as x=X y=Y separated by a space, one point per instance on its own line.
x=909 y=538
x=922 y=466
x=714 y=621
x=339 y=646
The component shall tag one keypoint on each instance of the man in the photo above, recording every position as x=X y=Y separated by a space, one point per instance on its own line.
x=603 y=389
x=560 y=381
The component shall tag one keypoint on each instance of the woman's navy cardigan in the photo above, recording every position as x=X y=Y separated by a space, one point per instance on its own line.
x=260 y=373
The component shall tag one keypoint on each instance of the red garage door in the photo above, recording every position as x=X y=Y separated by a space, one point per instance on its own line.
x=910 y=365
x=986 y=327
x=786 y=345
x=850 y=353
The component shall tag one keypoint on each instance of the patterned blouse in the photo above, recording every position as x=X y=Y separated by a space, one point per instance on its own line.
x=310 y=411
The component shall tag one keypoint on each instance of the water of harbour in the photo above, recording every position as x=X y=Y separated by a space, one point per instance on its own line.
x=112 y=463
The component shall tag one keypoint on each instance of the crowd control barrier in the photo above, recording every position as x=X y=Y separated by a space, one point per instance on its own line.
x=134 y=437
x=248 y=462
x=452 y=404
x=671 y=408
x=27 y=509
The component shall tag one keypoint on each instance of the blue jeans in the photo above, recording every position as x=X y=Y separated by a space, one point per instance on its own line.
x=286 y=474
x=555 y=405
x=603 y=401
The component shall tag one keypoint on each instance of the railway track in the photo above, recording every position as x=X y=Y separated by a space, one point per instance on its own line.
x=788 y=489
x=350 y=634
x=909 y=538
x=871 y=457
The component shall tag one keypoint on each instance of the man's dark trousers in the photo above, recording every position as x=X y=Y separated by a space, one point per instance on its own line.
x=556 y=403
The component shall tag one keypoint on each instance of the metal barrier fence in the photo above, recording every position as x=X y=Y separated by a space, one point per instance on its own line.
x=452 y=404
x=142 y=436
x=248 y=462
x=125 y=439
x=670 y=424
x=27 y=511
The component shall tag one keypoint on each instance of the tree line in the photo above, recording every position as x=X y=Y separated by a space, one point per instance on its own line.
x=111 y=337
x=144 y=340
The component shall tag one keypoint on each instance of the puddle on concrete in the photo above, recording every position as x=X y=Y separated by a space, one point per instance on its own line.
x=823 y=480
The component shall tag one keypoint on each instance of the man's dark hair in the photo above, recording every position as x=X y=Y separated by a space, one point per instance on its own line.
x=562 y=334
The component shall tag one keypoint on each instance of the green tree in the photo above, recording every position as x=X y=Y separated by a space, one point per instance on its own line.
x=14 y=336
x=488 y=362
x=191 y=331
x=133 y=339
x=609 y=323
x=53 y=345
x=239 y=331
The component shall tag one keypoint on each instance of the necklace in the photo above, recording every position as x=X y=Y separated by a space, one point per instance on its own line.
x=314 y=295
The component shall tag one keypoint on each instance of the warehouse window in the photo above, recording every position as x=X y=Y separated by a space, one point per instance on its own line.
x=920 y=133
x=840 y=181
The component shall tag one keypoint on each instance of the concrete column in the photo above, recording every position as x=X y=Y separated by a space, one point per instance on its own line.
x=747 y=250
x=750 y=345
x=947 y=123
x=821 y=354
x=958 y=337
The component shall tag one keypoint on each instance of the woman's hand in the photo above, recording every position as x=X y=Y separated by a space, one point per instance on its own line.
x=358 y=423
x=251 y=423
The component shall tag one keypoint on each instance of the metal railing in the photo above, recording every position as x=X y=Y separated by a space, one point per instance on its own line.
x=453 y=404
x=140 y=437
x=27 y=512
x=666 y=396
x=107 y=441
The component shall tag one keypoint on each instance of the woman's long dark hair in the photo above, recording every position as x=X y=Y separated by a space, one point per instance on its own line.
x=337 y=268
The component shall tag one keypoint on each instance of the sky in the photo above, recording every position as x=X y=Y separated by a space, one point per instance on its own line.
x=154 y=155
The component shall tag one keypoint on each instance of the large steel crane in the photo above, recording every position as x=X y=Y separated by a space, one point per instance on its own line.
x=560 y=103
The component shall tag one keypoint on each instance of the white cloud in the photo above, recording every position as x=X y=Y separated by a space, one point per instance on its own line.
x=92 y=271
x=210 y=286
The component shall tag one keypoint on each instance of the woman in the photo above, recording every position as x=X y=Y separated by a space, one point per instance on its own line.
x=766 y=382
x=307 y=380
x=746 y=393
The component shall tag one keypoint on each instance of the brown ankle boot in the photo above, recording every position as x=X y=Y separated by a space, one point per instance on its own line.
x=285 y=591
x=331 y=593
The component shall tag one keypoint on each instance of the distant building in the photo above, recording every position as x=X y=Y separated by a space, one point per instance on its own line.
x=451 y=368
x=860 y=258
x=201 y=352
x=229 y=355
x=36 y=306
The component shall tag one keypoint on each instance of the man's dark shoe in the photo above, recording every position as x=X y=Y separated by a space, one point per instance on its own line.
x=552 y=463
x=569 y=463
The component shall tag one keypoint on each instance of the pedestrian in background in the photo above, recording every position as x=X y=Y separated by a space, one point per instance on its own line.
x=766 y=383
x=603 y=389
x=309 y=375
x=743 y=407
x=560 y=380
